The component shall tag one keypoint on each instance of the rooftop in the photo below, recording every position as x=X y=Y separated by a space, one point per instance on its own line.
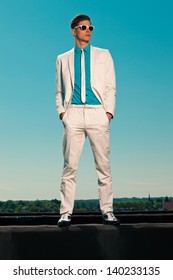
x=141 y=235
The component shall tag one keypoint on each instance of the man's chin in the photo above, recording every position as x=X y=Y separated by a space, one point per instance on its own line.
x=86 y=41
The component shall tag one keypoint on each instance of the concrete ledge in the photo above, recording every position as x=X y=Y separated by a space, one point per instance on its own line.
x=87 y=241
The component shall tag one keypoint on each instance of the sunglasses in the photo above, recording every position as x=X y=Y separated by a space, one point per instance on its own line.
x=84 y=27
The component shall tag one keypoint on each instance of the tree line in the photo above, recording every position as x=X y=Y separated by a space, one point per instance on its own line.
x=119 y=204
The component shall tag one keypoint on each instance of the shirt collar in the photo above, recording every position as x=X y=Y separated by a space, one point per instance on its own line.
x=77 y=50
x=86 y=49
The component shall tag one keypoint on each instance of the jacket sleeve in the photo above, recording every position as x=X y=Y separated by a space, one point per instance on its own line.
x=110 y=89
x=59 y=88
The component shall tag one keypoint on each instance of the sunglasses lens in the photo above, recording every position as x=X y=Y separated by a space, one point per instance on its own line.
x=83 y=27
x=91 y=28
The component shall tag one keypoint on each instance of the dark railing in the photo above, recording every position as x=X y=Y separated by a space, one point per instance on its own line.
x=125 y=217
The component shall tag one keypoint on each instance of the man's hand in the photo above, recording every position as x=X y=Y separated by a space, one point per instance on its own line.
x=109 y=115
x=61 y=115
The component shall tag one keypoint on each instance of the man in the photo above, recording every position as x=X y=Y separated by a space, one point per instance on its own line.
x=85 y=100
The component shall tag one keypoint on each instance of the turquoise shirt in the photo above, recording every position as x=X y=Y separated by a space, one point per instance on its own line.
x=91 y=99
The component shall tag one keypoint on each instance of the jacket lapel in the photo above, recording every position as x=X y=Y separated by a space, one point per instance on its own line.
x=71 y=66
x=93 y=59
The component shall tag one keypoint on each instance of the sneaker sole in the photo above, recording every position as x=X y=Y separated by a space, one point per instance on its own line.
x=64 y=224
x=114 y=223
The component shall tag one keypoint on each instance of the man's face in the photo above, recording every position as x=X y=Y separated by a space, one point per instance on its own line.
x=82 y=35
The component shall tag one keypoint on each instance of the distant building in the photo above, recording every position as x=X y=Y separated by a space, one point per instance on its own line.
x=168 y=205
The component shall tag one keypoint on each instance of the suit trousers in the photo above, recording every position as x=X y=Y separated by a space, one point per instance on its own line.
x=81 y=121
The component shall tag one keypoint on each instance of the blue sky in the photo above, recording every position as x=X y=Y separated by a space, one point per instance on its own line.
x=139 y=35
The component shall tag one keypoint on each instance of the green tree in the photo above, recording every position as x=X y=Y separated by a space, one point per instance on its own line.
x=158 y=205
x=159 y=199
x=9 y=206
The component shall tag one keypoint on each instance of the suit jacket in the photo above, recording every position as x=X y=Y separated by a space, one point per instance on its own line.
x=102 y=75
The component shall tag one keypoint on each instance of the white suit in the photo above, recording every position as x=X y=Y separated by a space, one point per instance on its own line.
x=81 y=121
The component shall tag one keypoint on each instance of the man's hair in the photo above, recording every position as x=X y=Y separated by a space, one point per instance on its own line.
x=75 y=21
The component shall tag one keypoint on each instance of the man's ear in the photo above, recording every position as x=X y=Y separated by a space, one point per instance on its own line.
x=73 y=31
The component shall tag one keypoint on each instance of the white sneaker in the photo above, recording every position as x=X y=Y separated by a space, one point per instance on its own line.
x=65 y=220
x=110 y=219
